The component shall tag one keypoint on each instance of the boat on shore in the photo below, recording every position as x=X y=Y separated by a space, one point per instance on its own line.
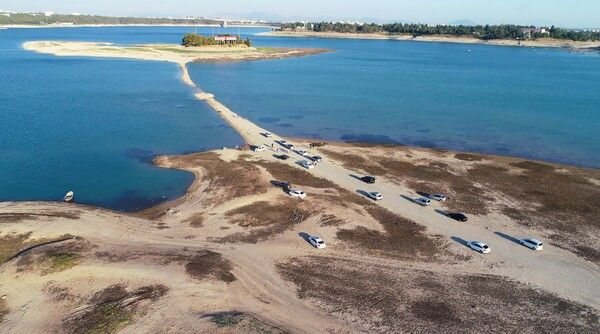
x=69 y=197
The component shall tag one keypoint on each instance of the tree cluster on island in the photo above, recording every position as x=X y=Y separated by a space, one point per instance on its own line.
x=193 y=39
x=484 y=32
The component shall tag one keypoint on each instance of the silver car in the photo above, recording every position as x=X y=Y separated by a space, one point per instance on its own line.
x=375 y=195
x=479 y=246
x=437 y=197
x=423 y=201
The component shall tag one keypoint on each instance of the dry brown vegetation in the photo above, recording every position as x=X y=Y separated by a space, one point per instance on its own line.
x=331 y=220
x=14 y=244
x=111 y=309
x=197 y=220
x=54 y=257
x=3 y=309
x=155 y=256
x=224 y=180
x=241 y=322
x=233 y=179
x=403 y=238
x=284 y=172
x=382 y=299
x=11 y=244
x=19 y=217
x=207 y=264
x=266 y=219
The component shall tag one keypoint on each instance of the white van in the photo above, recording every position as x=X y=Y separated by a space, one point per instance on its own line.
x=532 y=243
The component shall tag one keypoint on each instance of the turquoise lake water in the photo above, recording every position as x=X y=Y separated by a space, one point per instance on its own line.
x=93 y=125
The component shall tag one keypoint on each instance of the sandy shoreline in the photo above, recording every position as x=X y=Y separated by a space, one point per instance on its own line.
x=166 y=52
x=545 y=42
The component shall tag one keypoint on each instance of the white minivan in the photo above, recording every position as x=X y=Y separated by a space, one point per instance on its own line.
x=532 y=243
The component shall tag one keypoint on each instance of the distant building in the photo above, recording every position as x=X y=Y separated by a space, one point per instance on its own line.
x=226 y=39
x=530 y=31
x=48 y=13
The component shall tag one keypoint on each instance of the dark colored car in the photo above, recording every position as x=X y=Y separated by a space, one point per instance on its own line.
x=283 y=184
x=316 y=158
x=368 y=179
x=282 y=156
x=458 y=216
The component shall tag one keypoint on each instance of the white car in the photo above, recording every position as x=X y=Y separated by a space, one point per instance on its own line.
x=423 y=201
x=375 y=195
x=438 y=197
x=283 y=142
x=317 y=242
x=301 y=152
x=307 y=164
x=259 y=148
x=297 y=193
x=532 y=243
x=479 y=246
x=268 y=134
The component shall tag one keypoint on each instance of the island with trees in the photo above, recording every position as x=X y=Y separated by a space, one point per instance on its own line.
x=484 y=32
x=193 y=39
x=504 y=34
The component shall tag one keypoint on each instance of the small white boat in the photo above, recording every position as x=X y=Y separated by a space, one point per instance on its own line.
x=69 y=197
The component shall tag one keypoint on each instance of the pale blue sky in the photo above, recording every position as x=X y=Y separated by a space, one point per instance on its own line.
x=567 y=13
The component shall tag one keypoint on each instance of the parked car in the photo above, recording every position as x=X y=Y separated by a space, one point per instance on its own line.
x=258 y=148
x=297 y=193
x=368 y=179
x=282 y=156
x=375 y=195
x=283 y=184
x=437 y=197
x=285 y=144
x=267 y=134
x=307 y=164
x=317 y=242
x=532 y=243
x=301 y=152
x=479 y=246
x=461 y=217
x=423 y=201
x=316 y=158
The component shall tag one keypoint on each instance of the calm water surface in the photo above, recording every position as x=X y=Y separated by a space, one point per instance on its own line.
x=93 y=125
x=534 y=103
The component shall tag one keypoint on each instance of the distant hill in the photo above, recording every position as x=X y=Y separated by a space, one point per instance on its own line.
x=462 y=23
x=45 y=19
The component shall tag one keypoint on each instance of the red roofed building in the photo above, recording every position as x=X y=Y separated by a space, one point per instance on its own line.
x=226 y=39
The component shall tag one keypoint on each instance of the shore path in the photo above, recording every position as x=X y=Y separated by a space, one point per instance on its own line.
x=553 y=269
